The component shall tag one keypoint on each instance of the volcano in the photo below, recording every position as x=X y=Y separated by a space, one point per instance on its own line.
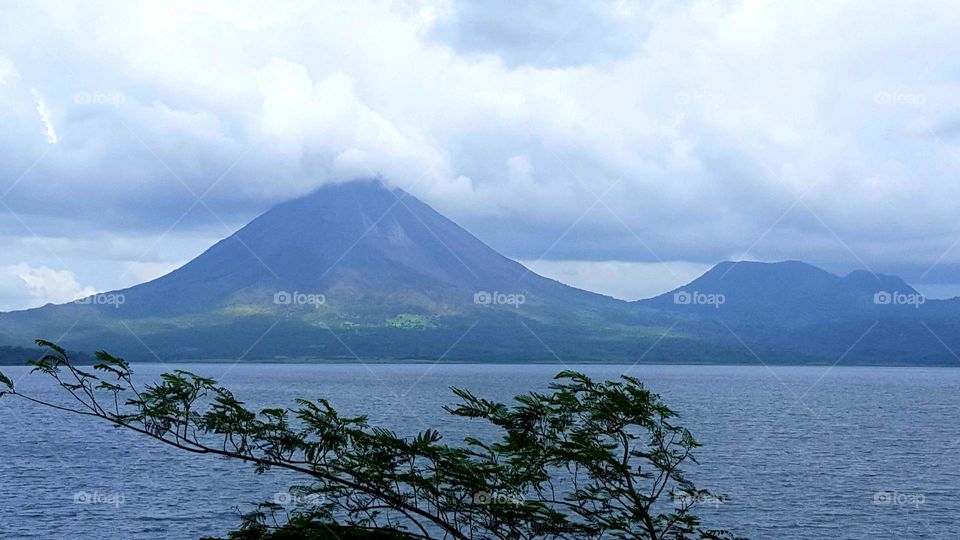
x=359 y=247
x=352 y=269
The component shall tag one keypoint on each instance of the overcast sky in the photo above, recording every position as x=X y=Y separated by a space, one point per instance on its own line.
x=623 y=147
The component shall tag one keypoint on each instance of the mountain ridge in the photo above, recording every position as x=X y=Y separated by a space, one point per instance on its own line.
x=791 y=293
x=360 y=270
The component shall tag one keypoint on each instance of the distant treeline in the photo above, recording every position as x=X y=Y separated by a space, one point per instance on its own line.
x=18 y=356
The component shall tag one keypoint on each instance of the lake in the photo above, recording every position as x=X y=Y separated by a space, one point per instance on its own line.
x=802 y=452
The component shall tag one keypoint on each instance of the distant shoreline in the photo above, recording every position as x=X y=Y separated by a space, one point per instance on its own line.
x=381 y=361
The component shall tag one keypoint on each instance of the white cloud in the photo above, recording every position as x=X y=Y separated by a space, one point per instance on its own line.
x=7 y=70
x=23 y=286
x=49 y=131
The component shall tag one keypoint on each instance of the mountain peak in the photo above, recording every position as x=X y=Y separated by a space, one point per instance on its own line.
x=870 y=282
x=367 y=194
x=768 y=265
x=787 y=292
x=753 y=274
x=796 y=273
x=359 y=244
x=360 y=187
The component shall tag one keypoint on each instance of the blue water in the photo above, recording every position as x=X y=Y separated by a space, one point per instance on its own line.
x=802 y=452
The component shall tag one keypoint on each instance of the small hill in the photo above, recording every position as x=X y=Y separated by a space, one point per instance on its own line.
x=789 y=293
